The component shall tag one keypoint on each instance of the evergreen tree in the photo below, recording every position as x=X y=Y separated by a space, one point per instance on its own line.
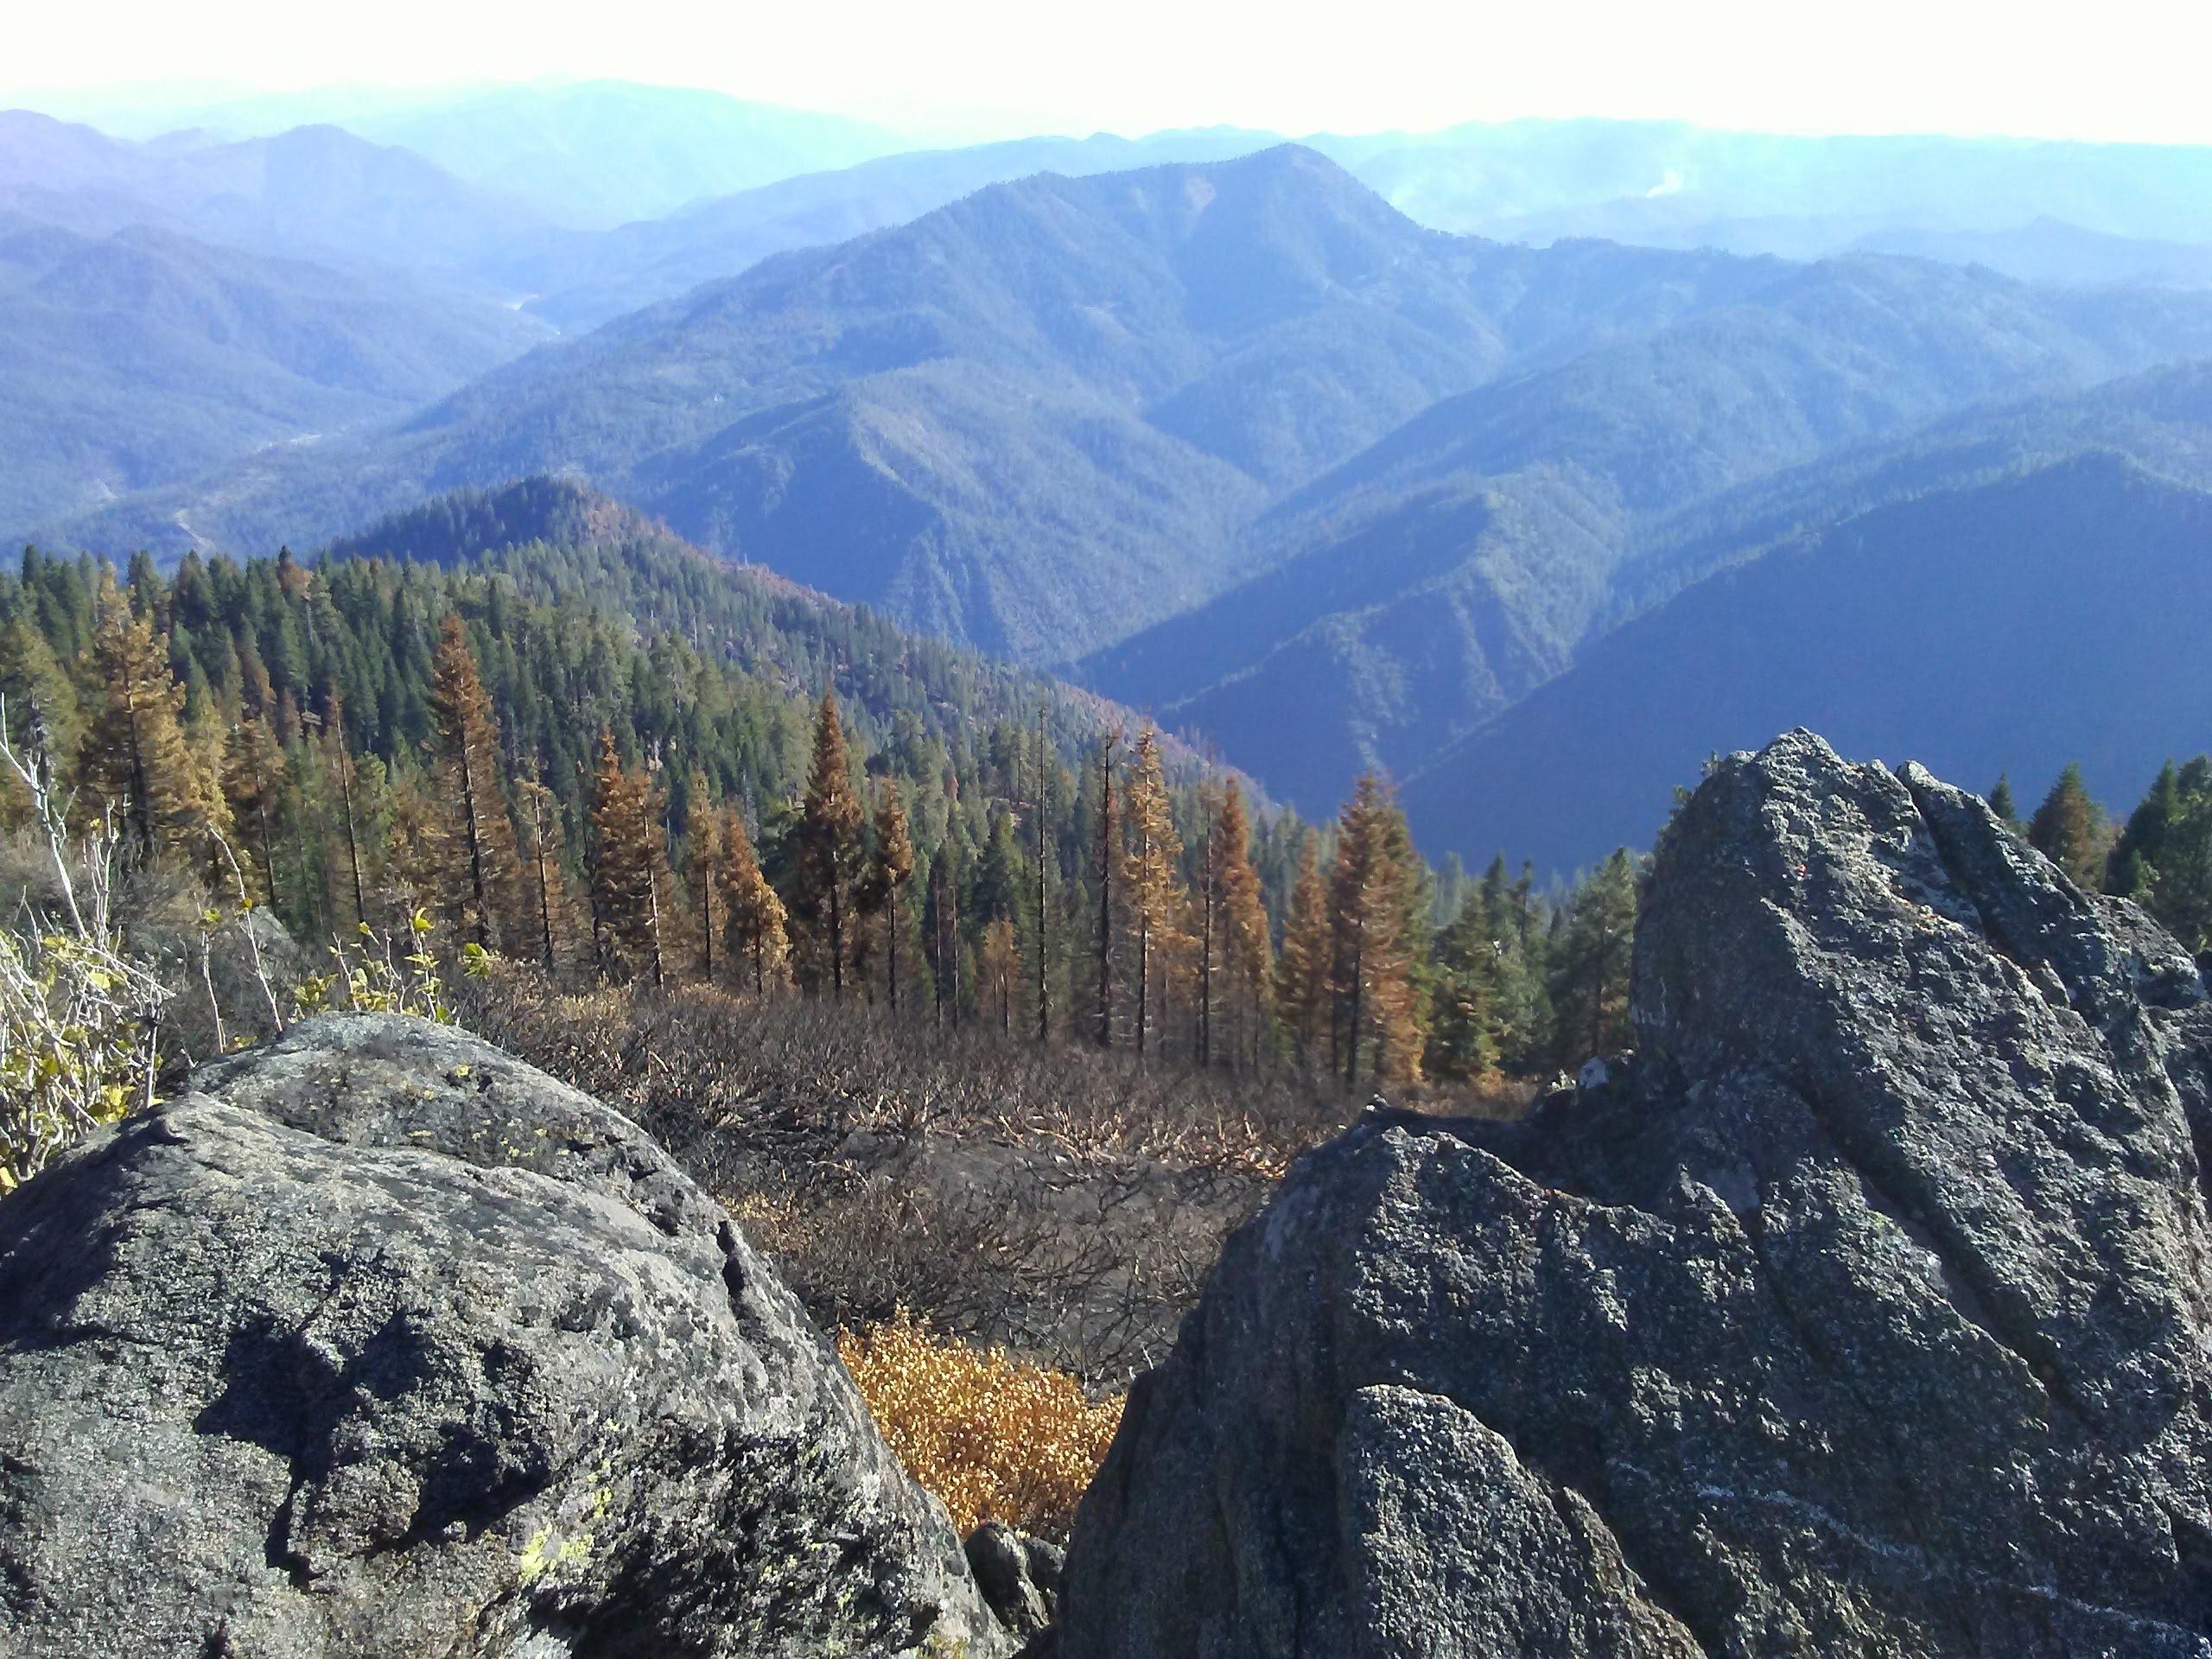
x=549 y=882
x=1152 y=895
x=893 y=867
x=703 y=866
x=1591 y=970
x=1302 y=970
x=1470 y=975
x=757 y=923
x=483 y=868
x=2067 y=829
x=1107 y=832
x=1247 y=953
x=2000 y=803
x=1377 y=917
x=2143 y=841
x=629 y=866
x=253 y=786
x=829 y=854
x=344 y=773
x=133 y=760
x=998 y=964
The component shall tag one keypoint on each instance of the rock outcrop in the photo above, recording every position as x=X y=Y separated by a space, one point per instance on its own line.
x=1864 y=1310
x=379 y=1342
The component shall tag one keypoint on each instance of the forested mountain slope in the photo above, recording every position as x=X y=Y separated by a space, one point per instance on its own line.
x=1034 y=421
x=1437 y=577
x=2054 y=615
x=144 y=357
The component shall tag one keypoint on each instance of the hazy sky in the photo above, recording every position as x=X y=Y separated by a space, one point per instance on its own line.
x=2121 y=69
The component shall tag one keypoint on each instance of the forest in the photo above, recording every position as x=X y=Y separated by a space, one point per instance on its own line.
x=687 y=783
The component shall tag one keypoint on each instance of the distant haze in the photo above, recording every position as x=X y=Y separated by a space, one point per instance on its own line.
x=970 y=69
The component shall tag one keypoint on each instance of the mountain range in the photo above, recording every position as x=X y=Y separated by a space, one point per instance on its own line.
x=1215 y=429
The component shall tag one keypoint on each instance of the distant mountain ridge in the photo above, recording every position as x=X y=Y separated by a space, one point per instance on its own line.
x=1430 y=582
x=1264 y=456
x=2052 y=616
x=1033 y=420
x=143 y=357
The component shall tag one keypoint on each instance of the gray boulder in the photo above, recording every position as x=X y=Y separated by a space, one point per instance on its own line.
x=379 y=1342
x=1864 y=1310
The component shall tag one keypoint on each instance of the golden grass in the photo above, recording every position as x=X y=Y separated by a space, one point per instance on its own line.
x=996 y=1439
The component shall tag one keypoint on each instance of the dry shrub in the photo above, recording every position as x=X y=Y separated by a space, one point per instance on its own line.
x=994 y=1438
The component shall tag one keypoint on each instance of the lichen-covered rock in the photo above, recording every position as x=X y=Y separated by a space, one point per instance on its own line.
x=379 y=1342
x=1865 y=1309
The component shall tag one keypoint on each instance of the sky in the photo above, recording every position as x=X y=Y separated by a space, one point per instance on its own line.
x=2118 y=70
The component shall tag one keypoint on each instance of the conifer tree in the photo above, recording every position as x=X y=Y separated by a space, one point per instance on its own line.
x=549 y=882
x=1302 y=970
x=829 y=848
x=703 y=866
x=893 y=865
x=253 y=786
x=998 y=964
x=2067 y=829
x=1152 y=895
x=629 y=866
x=483 y=868
x=1109 y=833
x=1592 y=965
x=757 y=938
x=1470 y=965
x=41 y=701
x=2143 y=839
x=1246 y=948
x=1044 y=906
x=2000 y=803
x=133 y=759
x=1375 y=915
x=344 y=773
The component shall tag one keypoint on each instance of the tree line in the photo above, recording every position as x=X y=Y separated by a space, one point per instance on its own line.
x=557 y=780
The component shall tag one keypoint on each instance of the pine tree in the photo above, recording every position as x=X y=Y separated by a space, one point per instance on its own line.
x=1043 y=808
x=2000 y=803
x=1152 y=895
x=1302 y=970
x=549 y=882
x=1590 y=992
x=829 y=851
x=1109 y=833
x=133 y=760
x=703 y=865
x=629 y=866
x=757 y=938
x=483 y=868
x=2144 y=840
x=892 y=867
x=1375 y=913
x=254 y=785
x=340 y=768
x=1246 y=951
x=1469 y=963
x=998 y=965
x=2067 y=829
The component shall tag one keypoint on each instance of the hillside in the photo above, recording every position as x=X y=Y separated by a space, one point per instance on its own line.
x=1033 y=422
x=2052 y=616
x=315 y=192
x=1435 y=579
x=560 y=545
x=143 y=356
x=580 y=283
